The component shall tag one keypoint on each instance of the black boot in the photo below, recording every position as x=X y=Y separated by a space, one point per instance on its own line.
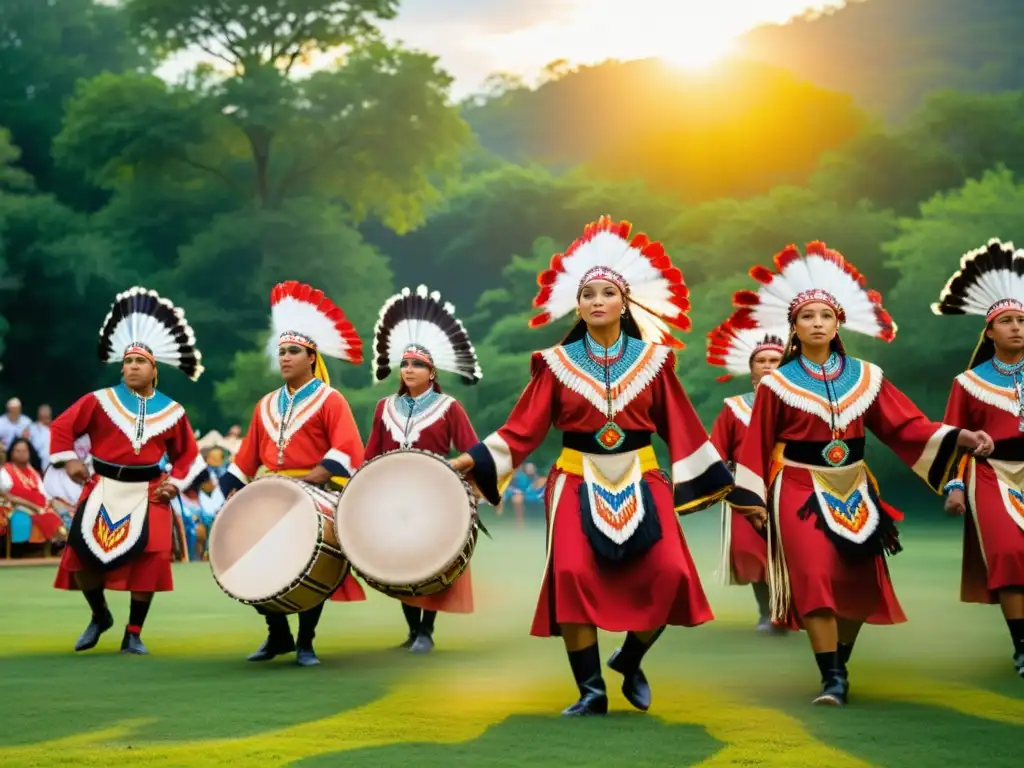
x=763 y=598
x=279 y=637
x=834 y=686
x=132 y=643
x=1016 y=627
x=845 y=650
x=424 y=642
x=626 y=661
x=586 y=668
x=305 y=656
x=413 y=617
x=98 y=624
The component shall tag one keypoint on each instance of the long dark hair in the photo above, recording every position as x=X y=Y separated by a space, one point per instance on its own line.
x=33 y=456
x=627 y=324
x=794 y=349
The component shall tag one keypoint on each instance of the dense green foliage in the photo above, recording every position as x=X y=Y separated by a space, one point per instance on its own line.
x=363 y=177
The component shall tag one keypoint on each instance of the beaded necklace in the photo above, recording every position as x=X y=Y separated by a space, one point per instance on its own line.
x=836 y=451
x=1016 y=372
x=610 y=436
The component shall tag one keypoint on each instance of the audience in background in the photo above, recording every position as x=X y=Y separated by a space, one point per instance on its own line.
x=13 y=424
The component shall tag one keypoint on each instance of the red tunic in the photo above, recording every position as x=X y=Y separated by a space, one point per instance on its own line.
x=993 y=556
x=442 y=426
x=110 y=426
x=661 y=586
x=319 y=431
x=748 y=550
x=802 y=555
x=24 y=488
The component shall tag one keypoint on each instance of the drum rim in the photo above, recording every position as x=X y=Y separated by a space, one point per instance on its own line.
x=312 y=558
x=470 y=494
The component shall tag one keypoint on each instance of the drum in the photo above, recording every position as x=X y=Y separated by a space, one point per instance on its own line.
x=274 y=545
x=408 y=523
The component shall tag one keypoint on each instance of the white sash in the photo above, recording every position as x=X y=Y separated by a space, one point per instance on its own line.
x=616 y=507
x=114 y=517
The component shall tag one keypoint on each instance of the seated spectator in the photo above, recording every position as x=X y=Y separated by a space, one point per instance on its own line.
x=14 y=424
x=31 y=518
x=526 y=487
x=197 y=507
x=39 y=435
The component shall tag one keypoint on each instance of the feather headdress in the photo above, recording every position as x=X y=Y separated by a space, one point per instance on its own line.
x=422 y=327
x=142 y=322
x=657 y=296
x=734 y=348
x=822 y=275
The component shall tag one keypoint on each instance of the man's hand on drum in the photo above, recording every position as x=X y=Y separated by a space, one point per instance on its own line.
x=463 y=463
x=165 y=492
x=318 y=475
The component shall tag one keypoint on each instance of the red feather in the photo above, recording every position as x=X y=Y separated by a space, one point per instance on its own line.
x=785 y=257
x=724 y=378
x=743 y=318
x=745 y=298
x=763 y=275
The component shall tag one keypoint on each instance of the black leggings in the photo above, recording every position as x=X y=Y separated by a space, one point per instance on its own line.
x=418 y=619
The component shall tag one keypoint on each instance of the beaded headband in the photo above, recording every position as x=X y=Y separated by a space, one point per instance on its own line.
x=770 y=344
x=294 y=337
x=417 y=352
x=1003 y=305
x=603 y=273
x=138 y=348
x=813 y=296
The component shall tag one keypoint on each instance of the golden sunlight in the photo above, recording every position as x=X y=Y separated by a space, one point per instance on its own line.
x=684 y=33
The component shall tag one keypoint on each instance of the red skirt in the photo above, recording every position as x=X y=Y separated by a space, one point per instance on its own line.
x=993 y=555
x=820 y=577
x=350 y=591
x=748 y=551
x=149 y=572
x=661 y=587
x=458 y=598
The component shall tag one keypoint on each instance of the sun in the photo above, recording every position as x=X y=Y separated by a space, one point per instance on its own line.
x=698 y=54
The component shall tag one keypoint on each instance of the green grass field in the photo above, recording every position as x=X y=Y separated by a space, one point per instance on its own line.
x=937 y=691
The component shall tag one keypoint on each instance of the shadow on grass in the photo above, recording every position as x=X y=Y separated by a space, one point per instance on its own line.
x=200 y=697
x=902 y=734
x=620 y=739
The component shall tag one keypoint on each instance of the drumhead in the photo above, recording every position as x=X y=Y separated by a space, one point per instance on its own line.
x=263 y=538
x=403 y=517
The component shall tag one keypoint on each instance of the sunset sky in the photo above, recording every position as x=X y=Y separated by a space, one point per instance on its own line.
x=477 y=37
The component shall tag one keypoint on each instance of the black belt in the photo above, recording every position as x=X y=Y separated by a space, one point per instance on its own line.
x=136 y=474
x=1010 y=449
x=586 y=442
x=813 y=452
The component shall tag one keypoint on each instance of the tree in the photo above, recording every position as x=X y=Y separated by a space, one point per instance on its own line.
x=930 y=351
x=231 y=180
x=951 y=138
x=45 y=49
x=718 y=240
x=54 y=275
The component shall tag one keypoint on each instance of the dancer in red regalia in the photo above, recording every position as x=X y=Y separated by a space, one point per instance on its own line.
x=421 y=335
x=803 y=457
x=303 y=430
x=617 y=558
x=120 y=534
x=756 y=353
x=990 y=396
